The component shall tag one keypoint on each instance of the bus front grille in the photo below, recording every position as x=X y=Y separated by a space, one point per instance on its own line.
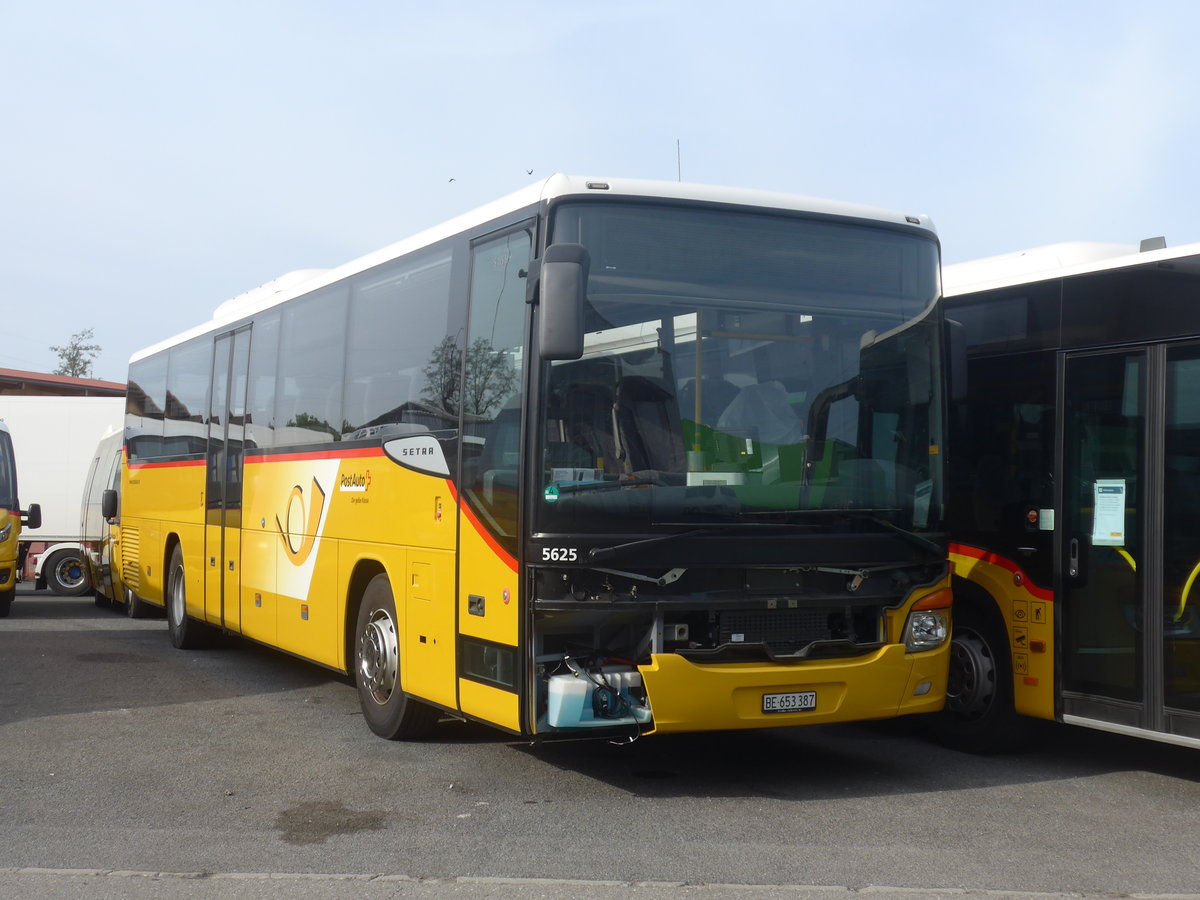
x=783 y=630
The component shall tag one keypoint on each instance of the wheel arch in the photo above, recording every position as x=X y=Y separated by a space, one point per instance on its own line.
x=364 y=570
x=973 y=598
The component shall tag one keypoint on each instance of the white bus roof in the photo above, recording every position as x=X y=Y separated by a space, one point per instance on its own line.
x=293 y=284
x=1052 y=261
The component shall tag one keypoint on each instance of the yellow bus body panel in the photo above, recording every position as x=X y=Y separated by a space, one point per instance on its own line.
x=310 y=519
x=687 y=696
x=490 y=704
x=1028 y=613
x=8 y=549
x=487 y=571
x=159 y=501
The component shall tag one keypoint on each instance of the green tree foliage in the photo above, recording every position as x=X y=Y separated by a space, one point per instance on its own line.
x=75 y=358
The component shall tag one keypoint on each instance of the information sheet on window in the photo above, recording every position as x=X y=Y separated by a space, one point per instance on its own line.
x=1108 y=522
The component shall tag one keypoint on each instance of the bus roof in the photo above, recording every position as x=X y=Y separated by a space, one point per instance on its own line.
x=555 y=187
x=1052 y=261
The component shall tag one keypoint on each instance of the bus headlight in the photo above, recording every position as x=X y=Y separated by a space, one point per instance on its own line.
x=928 y=624
x=927 y=629
x=5 y=531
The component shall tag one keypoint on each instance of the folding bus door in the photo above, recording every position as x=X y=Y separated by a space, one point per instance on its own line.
x=223 y=521
x=1129 y=554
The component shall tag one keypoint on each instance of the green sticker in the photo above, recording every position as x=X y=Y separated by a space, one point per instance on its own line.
x=552 y=493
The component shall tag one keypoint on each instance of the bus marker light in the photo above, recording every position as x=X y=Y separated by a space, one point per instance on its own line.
x=304 y=611
x=922 y=689
x=937 y=600
x=1031 y=681
x=505 y=596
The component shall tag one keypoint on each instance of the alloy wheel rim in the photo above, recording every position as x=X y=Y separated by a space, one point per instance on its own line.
x=379 y=657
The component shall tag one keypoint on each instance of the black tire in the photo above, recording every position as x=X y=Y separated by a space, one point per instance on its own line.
x=186 y=633
x=389 y=712
x=6 y=599
x=65 y=573
x=979 y=716
x=100 y=600
x=136 y=607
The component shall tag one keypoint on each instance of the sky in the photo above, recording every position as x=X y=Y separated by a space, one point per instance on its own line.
x=160 y=157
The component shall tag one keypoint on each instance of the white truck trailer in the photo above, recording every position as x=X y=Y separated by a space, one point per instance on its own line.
x=54 y=441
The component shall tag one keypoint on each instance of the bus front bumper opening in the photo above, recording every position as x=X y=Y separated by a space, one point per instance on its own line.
x=688 y=696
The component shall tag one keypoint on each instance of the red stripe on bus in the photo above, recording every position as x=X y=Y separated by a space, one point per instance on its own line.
x=481 y=530
x=1008 y=565
x=355 y=453
x=168 y=464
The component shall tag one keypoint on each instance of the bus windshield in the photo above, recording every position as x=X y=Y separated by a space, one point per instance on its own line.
x=744 y=368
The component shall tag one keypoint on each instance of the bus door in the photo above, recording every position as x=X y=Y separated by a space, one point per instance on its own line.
x=223 y=519
x=1130 y=539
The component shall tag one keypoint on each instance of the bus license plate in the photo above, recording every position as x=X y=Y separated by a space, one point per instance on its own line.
x=797 y=701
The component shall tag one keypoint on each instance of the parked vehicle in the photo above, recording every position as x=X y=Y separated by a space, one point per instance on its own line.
x=99 y=522
x=11 y=520
x=54 y=439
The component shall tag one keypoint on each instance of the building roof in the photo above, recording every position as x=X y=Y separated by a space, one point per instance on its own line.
x=16 y=381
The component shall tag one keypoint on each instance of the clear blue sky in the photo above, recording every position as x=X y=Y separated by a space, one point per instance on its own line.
x=161 y=156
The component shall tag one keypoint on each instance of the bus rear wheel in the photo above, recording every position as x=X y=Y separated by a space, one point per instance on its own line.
x=389 y=712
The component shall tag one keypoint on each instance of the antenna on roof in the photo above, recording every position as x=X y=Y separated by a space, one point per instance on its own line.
x=678 y=161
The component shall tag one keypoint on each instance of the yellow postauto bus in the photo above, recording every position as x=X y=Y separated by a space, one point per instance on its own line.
x=11 y=520
x=602 y=458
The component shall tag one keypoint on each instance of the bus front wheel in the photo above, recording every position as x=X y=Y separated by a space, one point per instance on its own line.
x=979 y=716
x=389 y=712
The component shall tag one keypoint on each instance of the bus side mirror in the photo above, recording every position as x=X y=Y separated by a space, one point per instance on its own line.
x=563 y=286
x=32 y=517
x=108 y=504
x=956 y=359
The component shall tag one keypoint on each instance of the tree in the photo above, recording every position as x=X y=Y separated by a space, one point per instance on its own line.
x=490 y=378
x=489 y=374
x=442 y=376
x=75 y=359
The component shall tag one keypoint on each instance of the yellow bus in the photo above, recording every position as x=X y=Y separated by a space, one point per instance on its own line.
x=602 y=458
x=11 y=520
x=1075 y=526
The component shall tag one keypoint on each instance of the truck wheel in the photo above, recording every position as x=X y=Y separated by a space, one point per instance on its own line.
x=6 y=599
x=388 y=711
x=186 y=633
x=65 y=573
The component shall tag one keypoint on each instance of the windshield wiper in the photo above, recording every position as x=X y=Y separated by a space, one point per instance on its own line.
x=599 y=554
x=576 y=487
